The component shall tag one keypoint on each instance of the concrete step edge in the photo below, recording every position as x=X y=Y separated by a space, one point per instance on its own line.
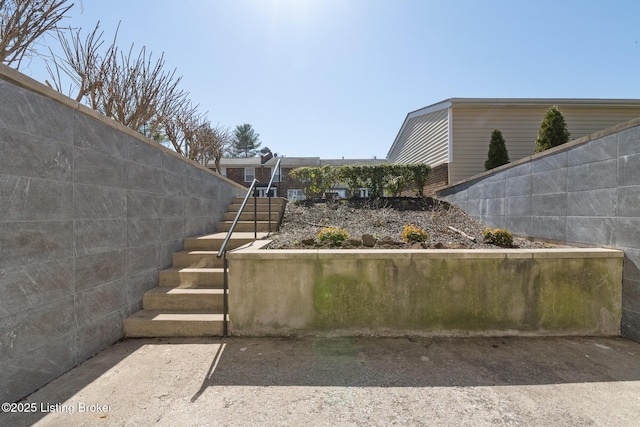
x=176 y=316
x=166 y=290
x=192 y=270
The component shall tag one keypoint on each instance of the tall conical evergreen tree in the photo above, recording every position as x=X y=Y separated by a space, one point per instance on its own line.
x=553 y=130
x=498 y=154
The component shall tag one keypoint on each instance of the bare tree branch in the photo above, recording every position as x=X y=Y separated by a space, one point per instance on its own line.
x=82 y=63
x=180 y=128
x=219 y=145
x=22 y=22
x=135 y=90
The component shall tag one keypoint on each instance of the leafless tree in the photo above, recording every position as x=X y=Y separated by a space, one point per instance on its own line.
x=192 y=136
x=137 y=88
x=82 y=63
x=136 y=91
x=132 y=88
x=180 y=129
x=22 y=22
x=214 y=143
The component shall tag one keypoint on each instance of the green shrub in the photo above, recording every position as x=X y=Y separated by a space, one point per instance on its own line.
x=419 y=172
x=375 y=177
x=352 y=177
x=411 y=233
x=315 y=181
x=333 y=235
x=498 y=236
x=395 y=186
x=498 y=154
x=394 y=178
x=553 y=130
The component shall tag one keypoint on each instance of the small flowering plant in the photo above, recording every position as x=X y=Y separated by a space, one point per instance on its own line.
x=333 y=235
x=411 y=233
x=498 y=237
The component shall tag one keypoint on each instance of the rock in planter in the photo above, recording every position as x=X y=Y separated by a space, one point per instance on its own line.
x=368 y=240
x=354 y=243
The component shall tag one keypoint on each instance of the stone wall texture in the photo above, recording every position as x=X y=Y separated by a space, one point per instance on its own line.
x=585 y=192
x=89 y=213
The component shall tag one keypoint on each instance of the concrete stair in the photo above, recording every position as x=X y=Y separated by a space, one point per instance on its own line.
x=189 y=299
x=174 y=323
x=263 y=211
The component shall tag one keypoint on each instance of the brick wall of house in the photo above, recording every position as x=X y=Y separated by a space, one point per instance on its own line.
x=438 y=179
x=264 y=175
x=236 y=175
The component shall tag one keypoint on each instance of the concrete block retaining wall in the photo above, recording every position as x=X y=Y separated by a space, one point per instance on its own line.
x=89 y=213
x=586 y=192
x=425 y=292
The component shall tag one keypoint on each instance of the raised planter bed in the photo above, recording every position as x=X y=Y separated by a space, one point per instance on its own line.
x=567 y=291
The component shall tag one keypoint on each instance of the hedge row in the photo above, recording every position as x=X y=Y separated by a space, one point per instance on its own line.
x=395 y=179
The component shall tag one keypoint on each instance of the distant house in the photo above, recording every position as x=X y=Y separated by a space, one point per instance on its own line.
x=453 y=136
x=244 y=170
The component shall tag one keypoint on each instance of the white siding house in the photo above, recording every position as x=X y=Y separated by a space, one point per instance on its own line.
x=455 y=133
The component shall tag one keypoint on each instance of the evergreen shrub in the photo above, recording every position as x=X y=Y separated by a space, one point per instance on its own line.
x=553 y=130
x=498 y=154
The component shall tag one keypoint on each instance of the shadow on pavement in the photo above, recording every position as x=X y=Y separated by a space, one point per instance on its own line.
x=143 y=378
x=422 y=362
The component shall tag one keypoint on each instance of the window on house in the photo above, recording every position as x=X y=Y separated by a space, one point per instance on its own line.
x=364 y=192
x=249 y=174
x=295 y=194
x=276 y=177
x=262 y=192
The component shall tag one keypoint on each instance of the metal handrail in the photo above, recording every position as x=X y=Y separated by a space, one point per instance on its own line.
x=223 y=253
x=223 y=247
x=273 y=174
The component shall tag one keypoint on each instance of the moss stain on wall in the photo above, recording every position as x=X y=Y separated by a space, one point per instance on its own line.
x=435 y=294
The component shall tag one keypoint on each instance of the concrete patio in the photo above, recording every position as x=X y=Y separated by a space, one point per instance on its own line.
x=346 y=381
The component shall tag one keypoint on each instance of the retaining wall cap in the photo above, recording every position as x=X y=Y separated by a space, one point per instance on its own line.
x=252 y=253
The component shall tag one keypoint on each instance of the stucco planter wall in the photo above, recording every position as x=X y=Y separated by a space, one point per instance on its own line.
x=425 y=292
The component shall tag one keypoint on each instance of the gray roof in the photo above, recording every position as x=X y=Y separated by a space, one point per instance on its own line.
x=524 y=101
x=292 y=162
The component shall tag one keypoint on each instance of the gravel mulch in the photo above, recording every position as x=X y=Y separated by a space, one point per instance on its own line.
x=447 y=225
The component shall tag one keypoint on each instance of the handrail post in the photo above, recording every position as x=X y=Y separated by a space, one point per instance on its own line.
x=255 y=213
x=269 y=194
x=277 y=168
x=225 y=297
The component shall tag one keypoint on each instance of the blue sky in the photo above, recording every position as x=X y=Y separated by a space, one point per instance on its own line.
x=336 y=78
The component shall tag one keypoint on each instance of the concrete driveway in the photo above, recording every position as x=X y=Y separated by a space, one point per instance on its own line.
x=346 y=381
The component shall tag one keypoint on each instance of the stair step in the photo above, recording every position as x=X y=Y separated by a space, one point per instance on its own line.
x=174 y=323
x=248 y=226
x=260 y=207
x=249 y=215
x=189 y=295
x=260 y=200
x=165 y=298
x=198 y=259
x=212 y=242
x=192 y=277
